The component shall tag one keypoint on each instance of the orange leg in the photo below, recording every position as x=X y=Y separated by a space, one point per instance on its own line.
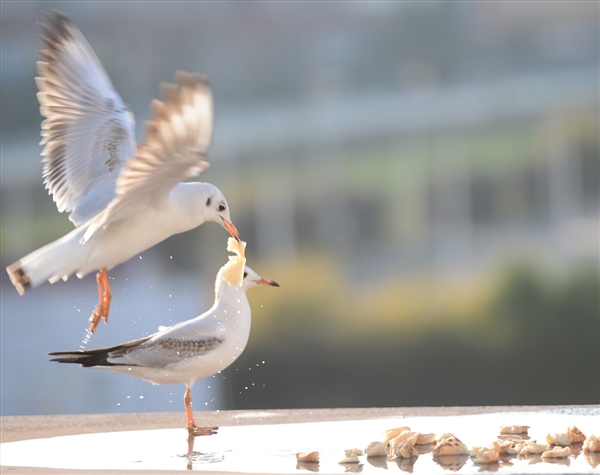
x=191 y=426
x=104 y=297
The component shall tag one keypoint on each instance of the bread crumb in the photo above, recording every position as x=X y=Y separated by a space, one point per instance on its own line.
x=233 y=271
x=307 y=456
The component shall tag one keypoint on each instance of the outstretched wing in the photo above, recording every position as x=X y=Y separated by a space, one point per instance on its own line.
x=177 y=138
x=88 y=131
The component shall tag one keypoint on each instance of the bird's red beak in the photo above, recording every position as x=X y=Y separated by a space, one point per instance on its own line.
x=231 y=229
x=265 y=281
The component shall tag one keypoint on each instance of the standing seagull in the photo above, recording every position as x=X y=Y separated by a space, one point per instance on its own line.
x=190 y=350
x=122 y=198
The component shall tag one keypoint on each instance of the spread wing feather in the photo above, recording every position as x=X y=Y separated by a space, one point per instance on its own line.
x=88 y=132
x=175 y=145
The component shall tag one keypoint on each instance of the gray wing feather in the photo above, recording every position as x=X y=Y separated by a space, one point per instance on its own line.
x=169 y=346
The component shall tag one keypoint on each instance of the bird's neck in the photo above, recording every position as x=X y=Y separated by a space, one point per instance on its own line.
x=231 y=307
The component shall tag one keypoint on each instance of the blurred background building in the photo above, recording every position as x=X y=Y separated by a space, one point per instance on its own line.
x=422 y=178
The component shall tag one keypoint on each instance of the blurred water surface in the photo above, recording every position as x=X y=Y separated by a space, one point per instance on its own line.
x=55 y=319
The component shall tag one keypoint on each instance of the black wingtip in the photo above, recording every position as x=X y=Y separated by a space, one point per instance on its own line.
x=63 y=360
x=57 y=30
x=19 y=277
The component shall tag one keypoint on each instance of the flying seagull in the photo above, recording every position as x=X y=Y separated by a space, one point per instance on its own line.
x=190 y=350
x=123 y=198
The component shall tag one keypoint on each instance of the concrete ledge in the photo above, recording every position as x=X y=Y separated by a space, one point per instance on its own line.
x=32 y=427
x=14 y=428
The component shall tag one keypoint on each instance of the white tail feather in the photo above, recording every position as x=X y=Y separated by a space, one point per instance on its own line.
x=57 y=260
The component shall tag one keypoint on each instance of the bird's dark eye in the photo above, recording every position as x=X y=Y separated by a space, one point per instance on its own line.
x=245 y=274
x=208 y=201
x=221 y=207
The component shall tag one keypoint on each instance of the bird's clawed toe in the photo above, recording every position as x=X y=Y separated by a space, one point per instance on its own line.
x=196 y=431
x=104 y=297
x=99 y=313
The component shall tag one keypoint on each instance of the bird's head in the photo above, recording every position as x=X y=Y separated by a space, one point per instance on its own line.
x=217 y=210
x=252 y=279
x=235 y=274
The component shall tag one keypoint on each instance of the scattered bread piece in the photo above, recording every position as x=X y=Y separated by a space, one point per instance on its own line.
x=423 y=439
x=450 y=446
x=442 y=436
x=533 y=447
x=557 y=452
x=404 y=448
x=509 y=447
x=351 y=456
x=312 y=457
x=376 y=449
x=514 y=429
x=402 y=436
x=483 y=455
x=591 y=444
x=516 y=449
x=575 y=435
x=512 y=437
x=559 y=439
x=391 y=433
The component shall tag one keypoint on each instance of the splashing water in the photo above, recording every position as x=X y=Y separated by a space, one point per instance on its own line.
x=86 y=338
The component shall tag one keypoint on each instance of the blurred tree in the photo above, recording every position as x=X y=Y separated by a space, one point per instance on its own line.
x=536 y=342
